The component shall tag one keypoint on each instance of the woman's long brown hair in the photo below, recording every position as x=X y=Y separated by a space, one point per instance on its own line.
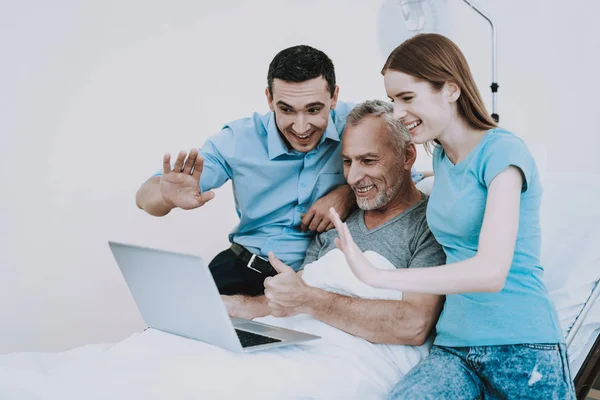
x=436 y=59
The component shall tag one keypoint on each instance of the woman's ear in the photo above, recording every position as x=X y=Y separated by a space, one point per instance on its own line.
x=451 y=91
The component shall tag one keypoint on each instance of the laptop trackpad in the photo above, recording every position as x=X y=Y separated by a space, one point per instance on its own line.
x=260 y=329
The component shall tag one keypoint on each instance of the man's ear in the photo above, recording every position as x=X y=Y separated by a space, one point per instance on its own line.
x=334 y=97
x=451 y=91
x=410 y=155
x=269 y=99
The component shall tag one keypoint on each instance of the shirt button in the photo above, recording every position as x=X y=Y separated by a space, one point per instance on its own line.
x=303 y=185
x=300 y=208
x=287 y=230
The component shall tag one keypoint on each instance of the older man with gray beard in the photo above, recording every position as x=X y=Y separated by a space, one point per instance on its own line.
x=378 y=156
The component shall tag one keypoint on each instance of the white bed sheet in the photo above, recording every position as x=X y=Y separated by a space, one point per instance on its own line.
x=156 y=365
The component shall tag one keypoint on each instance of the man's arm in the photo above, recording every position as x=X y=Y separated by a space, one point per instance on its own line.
x=247 y=307
x=408 y=321
x=149 y=198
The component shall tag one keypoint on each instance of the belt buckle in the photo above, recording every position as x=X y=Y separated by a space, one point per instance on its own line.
x=249 y=265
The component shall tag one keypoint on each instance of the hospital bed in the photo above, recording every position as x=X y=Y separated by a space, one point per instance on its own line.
x=571 y=258
x=570 y=254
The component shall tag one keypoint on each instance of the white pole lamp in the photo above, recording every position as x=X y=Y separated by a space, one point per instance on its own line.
x=415 y=19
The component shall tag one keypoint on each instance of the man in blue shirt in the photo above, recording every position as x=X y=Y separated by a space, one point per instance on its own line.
x=285 y=166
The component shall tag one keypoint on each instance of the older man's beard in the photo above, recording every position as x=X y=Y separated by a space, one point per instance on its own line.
x=381 y=199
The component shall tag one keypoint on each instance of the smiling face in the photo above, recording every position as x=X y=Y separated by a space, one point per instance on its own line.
x=372 y=166
x=424 y=111
x=302 y=111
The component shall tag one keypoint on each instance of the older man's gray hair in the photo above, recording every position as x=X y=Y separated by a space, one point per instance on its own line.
x=399 y=135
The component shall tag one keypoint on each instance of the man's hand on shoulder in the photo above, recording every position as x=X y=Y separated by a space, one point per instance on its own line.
x=318 y=219
x=180 y=186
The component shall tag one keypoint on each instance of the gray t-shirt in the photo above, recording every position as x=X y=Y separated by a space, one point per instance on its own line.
x=405 y=240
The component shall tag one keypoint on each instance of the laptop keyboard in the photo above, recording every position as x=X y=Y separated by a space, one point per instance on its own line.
x=248 y=339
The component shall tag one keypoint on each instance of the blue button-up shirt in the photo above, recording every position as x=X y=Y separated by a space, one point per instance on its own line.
x=272 y=185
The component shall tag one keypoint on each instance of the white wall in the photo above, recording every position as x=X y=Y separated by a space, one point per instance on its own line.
x=92 y=95
x=548 y=73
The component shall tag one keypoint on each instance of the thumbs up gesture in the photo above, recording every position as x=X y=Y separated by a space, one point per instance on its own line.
x=287 y=294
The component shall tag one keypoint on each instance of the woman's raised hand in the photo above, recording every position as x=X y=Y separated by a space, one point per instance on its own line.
x=362 y=268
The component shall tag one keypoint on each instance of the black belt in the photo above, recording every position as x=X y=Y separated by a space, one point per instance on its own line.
x=253 y=261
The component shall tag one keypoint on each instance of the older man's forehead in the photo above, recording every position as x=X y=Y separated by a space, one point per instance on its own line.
x=366 y=146
x=369 y=135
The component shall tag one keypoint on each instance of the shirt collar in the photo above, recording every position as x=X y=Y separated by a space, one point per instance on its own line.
x=331 y=132
x=277 y=145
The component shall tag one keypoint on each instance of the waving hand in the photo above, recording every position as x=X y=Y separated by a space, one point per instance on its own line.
x=180 y=186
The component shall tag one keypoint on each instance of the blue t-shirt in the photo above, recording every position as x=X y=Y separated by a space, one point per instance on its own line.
x=521 y=312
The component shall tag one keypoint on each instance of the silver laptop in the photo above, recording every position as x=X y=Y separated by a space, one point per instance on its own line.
x=176 y=293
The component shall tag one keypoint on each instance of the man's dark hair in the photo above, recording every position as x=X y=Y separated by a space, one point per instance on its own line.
x=301 y=63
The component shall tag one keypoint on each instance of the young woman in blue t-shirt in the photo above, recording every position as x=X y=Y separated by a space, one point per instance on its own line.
x=498 y=335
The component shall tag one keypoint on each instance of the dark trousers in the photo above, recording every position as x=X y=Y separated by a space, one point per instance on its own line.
x=232 y=276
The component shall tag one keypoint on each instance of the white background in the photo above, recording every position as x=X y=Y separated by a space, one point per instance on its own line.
x=93 y=93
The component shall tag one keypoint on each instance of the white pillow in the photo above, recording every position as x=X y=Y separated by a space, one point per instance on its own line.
x=332 y=273
x=425 y=185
